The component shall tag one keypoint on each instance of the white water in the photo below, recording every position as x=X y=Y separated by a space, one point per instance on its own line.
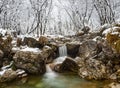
x=62 y=51
x=62 y=55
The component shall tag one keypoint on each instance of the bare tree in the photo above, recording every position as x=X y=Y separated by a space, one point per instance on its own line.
x=80 y=16
x=42 y=9
x=105 y=11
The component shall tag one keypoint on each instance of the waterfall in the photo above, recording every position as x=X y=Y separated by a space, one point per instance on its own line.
x=62 y=55
x=63 y=51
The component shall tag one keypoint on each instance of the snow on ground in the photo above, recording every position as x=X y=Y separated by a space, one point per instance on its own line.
x=35 y=50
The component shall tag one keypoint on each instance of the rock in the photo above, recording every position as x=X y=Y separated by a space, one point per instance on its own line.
x=43 y=40
x=92 y=69
x=113 y=85
x=21 y=73
x=6 y=46
x=88 y=49
x=31 y=42
x=1 y=57
x=68 y=65
x=19 y=42
x=80 y=33
x=31 y=62
x=8 y=76
x=48 y=54
x=72 y=49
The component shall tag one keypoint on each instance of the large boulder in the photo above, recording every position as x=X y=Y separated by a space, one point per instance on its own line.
x=72 y=49
x=31 y=61
x=31 y=42
x=92 y=69
x=48 y=54
x=68 y=65
x=88 y=49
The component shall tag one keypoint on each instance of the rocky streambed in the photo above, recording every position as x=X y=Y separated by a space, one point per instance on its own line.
x=90 y=56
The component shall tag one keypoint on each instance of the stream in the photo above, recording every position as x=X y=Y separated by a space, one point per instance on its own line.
x=52 y=79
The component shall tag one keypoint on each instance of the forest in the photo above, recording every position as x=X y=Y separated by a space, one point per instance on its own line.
x=59 y=43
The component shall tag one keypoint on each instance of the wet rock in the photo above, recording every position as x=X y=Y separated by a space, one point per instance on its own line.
x=72 y=49
x=68 y=65
x=8 y=75
x=31 y=62
x=48 y=54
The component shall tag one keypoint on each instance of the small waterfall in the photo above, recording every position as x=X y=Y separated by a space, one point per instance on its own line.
x=62 y=54
x=63 y=51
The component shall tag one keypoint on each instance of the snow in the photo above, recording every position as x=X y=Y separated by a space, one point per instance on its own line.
x=3 y=71
x=113 y=30
x=20 y=71
x=5 y=67
x=107 y=31
x=15 y=48
x=3 y=32
x=60 y=59
x=35 y=50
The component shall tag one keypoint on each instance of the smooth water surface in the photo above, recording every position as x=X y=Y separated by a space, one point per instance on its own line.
x=54 y=80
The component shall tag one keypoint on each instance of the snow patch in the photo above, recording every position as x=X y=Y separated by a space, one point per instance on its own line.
x=3 y=32
x=35 y=50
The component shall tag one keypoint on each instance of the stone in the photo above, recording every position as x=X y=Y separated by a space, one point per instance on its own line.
x=48 y=54
x=6 y=47
x=92 y=69
x=8 y=75
x=72 y=49
x=88 y=49
x=68 y=65
x=31 y=62
x=31 y=42
x=43 y=40
x=113 y=85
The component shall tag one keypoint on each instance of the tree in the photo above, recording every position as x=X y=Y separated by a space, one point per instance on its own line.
x=105 y=11
x=41 y=10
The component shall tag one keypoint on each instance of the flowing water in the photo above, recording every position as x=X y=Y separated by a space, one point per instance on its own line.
x=52 y=79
